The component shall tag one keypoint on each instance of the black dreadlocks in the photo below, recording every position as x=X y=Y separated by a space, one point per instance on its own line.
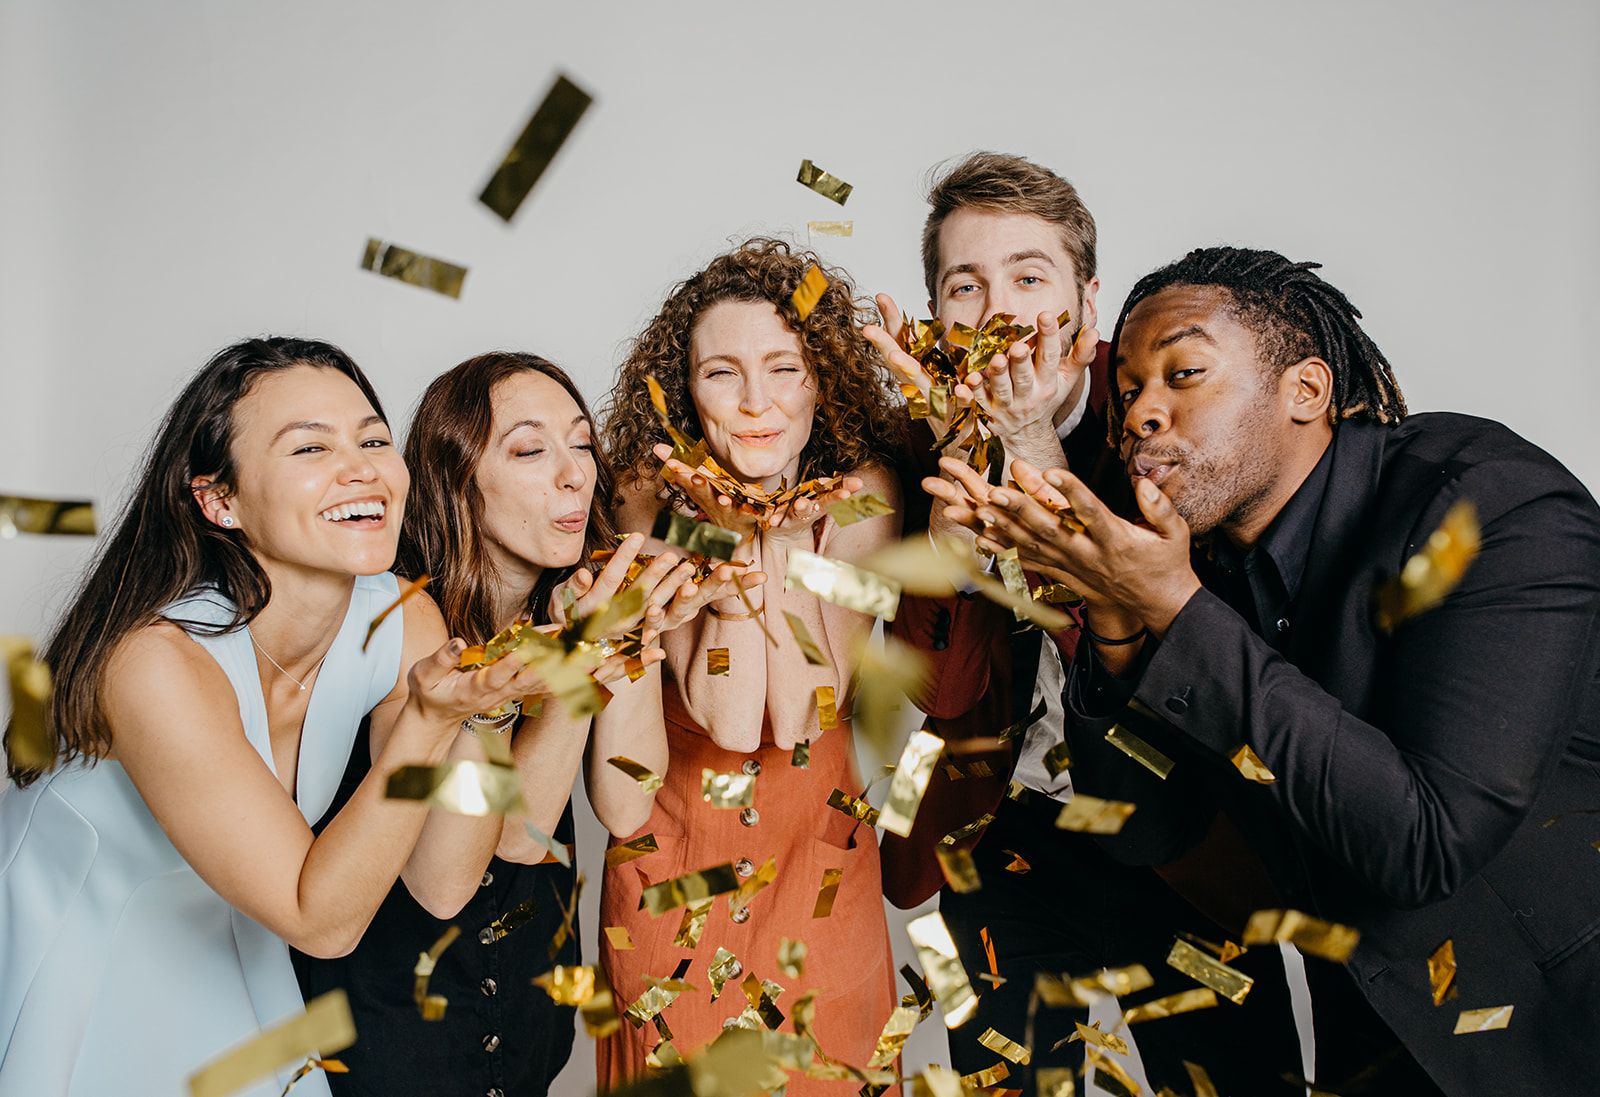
x=1294 y=315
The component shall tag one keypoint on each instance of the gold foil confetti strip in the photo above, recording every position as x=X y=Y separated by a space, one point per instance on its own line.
x=684 y=448
x=1110 y=1075
x=1009 y=564
x=800 y=757
x=330 y=1066
x=1139 y=750
x=827 y=711
x=962 y=833
x=1052 y=620
x=569 y=917
x=727 y=790
x=828 y=892
x=1329 y=940
x=809 y=291
x=942 y=966
x=802 y=636
x=59 y=517
x=691 y=887
x=621 y=940
x=648 y=780
x=431 y=1006
x=1483 y=1020
x=910 y=782
x=1019 y=864
x=326 y=1026
x=717 y=662
x=559 y=851
x=1091 y=1034
x=568 y=985
x=692 y=535
x=1057 y=594
x=984 y=1079
x=791 y=957
x=1171 y=1005
x=410 y=589
x=883 y=680
x=636 y=669
x=1058 y=759
x=959 y=870
x=533 y=150
x=937 y=1081
x=858 y=508
x=1229 y=982
x=1005 y=1047
x=663 y=1055
x=1203 y=1085
x=1091 y=815
x=413 y=268
x=828 y=186
x=1249 y=763
x=693 y=924
x=461 y=787
x=920 y=997
x=724 y=966
x=753 y=885
x=1434 y=571
x=815 y=229
x=1011 y=731
x=760 y=995
x=599 y=1010
x=988 y=949
x=1055 y=1082
x=642 y=846
x=27 y=742
x=893 y=1036
x=1016 y=790
x=1442 y=973
x=1121 y=981
x=842 y=584
x=787 y=1050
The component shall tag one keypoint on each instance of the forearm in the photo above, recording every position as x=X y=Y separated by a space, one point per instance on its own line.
x=632 y=725
x=547 y=750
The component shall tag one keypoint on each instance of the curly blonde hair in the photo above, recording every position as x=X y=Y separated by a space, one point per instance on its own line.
x=857 y=420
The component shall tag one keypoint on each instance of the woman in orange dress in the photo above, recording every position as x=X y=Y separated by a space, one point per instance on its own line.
x=779 y=401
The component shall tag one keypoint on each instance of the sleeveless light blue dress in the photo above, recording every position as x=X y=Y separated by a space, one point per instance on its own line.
x=121 y=971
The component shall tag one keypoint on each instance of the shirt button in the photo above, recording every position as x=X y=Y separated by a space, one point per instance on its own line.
x=486 y=936
x=496 y=1092
x=490 y=1042
x=744 y=866
x=1283 y=624
x=741 y=915
x=751 y=767
x=735 y=969
x=488 y=878
x=749 y=817
x=489 y=987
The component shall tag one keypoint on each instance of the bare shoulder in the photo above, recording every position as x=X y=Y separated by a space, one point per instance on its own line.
x=881 y=479
x=159 y=670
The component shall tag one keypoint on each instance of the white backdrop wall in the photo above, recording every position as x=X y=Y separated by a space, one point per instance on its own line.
x=177 y=174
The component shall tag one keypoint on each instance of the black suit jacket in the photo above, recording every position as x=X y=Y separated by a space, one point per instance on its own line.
x=1416 y=771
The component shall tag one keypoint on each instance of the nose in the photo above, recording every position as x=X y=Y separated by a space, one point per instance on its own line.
x=359 y=469
x=754 y=396
x=1146 y=417
x=571 y=475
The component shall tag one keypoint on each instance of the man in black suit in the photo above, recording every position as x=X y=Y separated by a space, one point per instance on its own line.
x=1415 y=767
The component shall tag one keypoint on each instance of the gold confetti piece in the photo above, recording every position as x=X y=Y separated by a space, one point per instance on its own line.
x=920 y=997
x=858 y=508
x=830 y=228
x=413 y=268
x=791 y=957
x=59 y=517
x=554 y=120
x=693 y=924
x=1016 y=790
x=691 y=535
x=1121 y=981
x=28 y=742
x=828 y=186
x=859 y=810
x=717 y=661
x=1111 y=1076
x=1091 y=1034
x=1483 y=1020
x=988 y=949
x=959 y=870
x=1249 y=763
x=331 y=1066
x=1019 y=864
x=432 y=1006
x=1434 y=571
x=760 y=994
x=842 y=584
x=727 y=790
x=1442 y=973
x=800 y=757
x=1011 y=731
x=619 y=937
x=809 y=291
x=752 y=886
x=410 y=589
x=599 y=1010
x=893 y=1036
x=1139 y=750
x=558 y=850
x=808 y=646
x=642 y=846
x=828 y=892
x=1058 y=759
x=724 y=966
x=1057 y=594
x=568 y=985
x=461 y=787
x=884 y=679
x=827 y=712
x=983 y=1079
x=942 y=966
x=1171 y=1005
x=1052 y=620
x=1055 y=1082
x=910 y=782
x=1005 y=1048
x=1091 y=815
x=964 y=832
x=569 y=916
x=1203 y=1085
x=1009 y=564
x=691 y=887
x=326 y=1026
x=1231 y=983
x=1329 y=940
x=648 y=781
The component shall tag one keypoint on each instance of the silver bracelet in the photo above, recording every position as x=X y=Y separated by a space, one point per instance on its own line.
x=497 y=722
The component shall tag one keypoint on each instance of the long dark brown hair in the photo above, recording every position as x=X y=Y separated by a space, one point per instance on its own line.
x=857 y=420
x=163 y=546
x=442 y=535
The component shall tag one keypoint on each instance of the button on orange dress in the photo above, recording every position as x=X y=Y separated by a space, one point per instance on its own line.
x=848 y=961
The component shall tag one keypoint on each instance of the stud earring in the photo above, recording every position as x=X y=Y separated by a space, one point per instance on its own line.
x=227 y=520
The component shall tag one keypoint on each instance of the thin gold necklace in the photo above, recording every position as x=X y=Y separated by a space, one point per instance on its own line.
x=279 y=665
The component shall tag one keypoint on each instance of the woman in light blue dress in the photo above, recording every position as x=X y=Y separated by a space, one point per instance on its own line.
x=209 y=680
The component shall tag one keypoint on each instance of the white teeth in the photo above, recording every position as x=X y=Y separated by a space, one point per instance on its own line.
x=339 y=513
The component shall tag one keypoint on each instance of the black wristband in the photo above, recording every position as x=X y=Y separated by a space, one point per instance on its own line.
x=1110 y=643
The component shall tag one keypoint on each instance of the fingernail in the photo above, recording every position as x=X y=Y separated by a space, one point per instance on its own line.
x=457 y=647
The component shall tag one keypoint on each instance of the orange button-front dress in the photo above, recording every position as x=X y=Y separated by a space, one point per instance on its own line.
x=848 y=961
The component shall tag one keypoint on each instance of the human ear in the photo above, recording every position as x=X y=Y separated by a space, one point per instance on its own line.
x=1307 y=387
x=1091 y=314
x=212 y=498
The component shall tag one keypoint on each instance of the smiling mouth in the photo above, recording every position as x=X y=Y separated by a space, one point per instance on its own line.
x=364 y=514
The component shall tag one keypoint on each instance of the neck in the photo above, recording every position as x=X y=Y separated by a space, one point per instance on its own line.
x=303 y=615
x=1251 y=520
x=511 y=582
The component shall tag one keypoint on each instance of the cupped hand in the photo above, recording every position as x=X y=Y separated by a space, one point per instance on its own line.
x=446 y=694
x=719 y=509
x=690 y=597
x=1024 y=389
x=907 y=370
x=794 y=525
